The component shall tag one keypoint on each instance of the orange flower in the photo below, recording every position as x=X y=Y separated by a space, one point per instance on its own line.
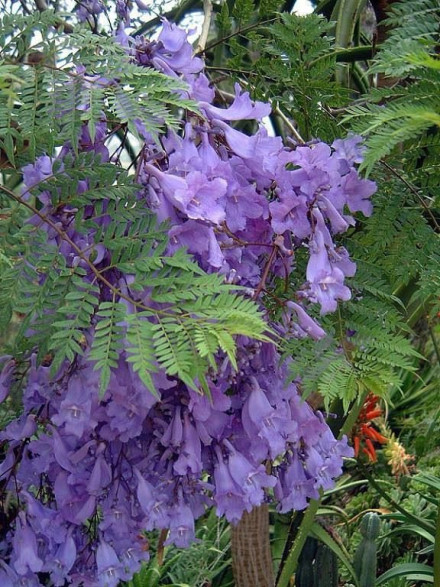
x=364 y=434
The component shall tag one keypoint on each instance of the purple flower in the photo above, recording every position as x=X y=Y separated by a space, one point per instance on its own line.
x=36 y=172
x=259 y=150
x=315 y=158
x=229 y=497
x=200 y=240
x=196 y=195
x=100 y=477
x=350 y=148
x=190 y=457
x=9 y=578
x=123 y=11
x=64 y=558
x=44 y=520
x=306 y=322
x=290 y=213
x=242 y=108
x=74 y=503
x=177 y=52
x=171 y=54
x=297 y=488
x=358 y=192
x=326 y=282
x=243 y=203
x=144 y=492
x=75 y=411
x=89 y=8
x=174 y=433
x=181 y=526
x=23 y=427
x=261 y=419
x=340 y=259
x=110 y=568
x=25 y=547
x=133 y=554
x=252 y=479
x=203 y=199
x=337 y=222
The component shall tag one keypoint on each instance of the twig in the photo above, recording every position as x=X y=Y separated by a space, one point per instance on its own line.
x=207 y=10
x=42 y=6
x=235 y=34
x=161 y=547
x=263 y=279
x=289 y=125
x=413 y=190
x=174 y=15
x=83 y=257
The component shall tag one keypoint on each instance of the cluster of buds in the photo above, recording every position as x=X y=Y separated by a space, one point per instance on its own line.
x=400 y=461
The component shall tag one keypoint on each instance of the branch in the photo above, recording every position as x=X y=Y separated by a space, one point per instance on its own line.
x=413 y=190
x=235 y=34
x=289 y=125
x=42 y=6
x=263 y=279
x=207 y=9
x=83 y=257
x=173 y=15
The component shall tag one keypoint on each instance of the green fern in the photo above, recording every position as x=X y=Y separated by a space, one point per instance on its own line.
x=52 y=99
x=183 y=318
x=71 y=321
x=108 y=340
x=409 y=112
x=300 y=62
x=141 y=349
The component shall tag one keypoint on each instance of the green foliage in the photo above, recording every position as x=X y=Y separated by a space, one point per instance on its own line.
x=419 y=524
x=183 y=321
x=416 y=21
x=206 y=561
x=317 y=565
x=405 y=113
x=243 y=10
x=364 y=350
x=52 y=98
x=365 y=561
x=290 y=62
x=108 y=339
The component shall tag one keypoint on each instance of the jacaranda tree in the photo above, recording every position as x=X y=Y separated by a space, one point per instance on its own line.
x=160 y=248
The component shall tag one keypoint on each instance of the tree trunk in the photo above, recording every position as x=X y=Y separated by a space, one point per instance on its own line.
x=381 y=8
x=251 y=556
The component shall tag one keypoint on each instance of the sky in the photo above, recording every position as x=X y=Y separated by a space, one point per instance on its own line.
x=303 y=7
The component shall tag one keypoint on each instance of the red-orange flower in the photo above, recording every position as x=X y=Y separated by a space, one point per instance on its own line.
x=363 y=433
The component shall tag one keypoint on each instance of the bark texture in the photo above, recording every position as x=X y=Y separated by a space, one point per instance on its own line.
x=251 y=556
x=381 y=9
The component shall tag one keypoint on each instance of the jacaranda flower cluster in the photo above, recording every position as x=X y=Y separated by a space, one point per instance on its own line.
x=90 y=476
